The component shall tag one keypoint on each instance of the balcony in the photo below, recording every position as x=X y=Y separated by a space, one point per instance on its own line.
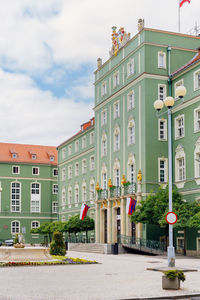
x=129 y=189
x=102 y=194
x=115 y=192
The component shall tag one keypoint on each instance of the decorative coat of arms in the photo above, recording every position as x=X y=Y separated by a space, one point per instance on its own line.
x=119 y=39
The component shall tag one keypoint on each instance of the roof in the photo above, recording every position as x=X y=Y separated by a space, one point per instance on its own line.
x=194 y=60
x=84 y=127
x=19 y=153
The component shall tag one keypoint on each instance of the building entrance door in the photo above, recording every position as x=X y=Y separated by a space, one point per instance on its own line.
x=118 y=222
x=105 y=226
x=133 y=230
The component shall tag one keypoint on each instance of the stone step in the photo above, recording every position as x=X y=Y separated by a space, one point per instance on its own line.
x=93 y=248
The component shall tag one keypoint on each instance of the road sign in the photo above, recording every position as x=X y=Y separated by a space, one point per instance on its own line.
x=171 y=218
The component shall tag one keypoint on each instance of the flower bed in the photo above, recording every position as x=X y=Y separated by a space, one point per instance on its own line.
x=61 y=260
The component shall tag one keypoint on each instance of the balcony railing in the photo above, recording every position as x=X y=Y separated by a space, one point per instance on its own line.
x=129 y=189
x=115 y=192
x=103 y=194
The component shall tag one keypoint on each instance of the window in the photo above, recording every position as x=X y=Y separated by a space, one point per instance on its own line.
x=162 y=129
x=131 y=132
x=70 y=195
x=84 y=166
x=104 y=145
x=35 y=224
x=55 y=188
x=161 y=92
x=132 y=173
x=162 y=170
x=14 y=155
x=34 y=156
x=63 y=174
x=197 y=119
x=91 y=163
x=161 y=60
x=197 y=160
x=176 y=85
x=76 y=169
x=116 y=139
x=15 y=170
x=69 y=172
x=131 y=100
x=104 y=117
x=51 y=158
x=54 y=207
x=116 y=79
x=84 y=193
x=15 y=227
x=116 y=109
x=35 y=171
x=179 y=127
x=117 y=177
x=69 y=149
x=103 y=89
x=35 y=197
x=104 y=179
x=197 y=80
x=55 y=172
x=91 y=138
x=92 y=190
x=76 y=194
x=84 y=142
x=181 y=169
x=63 y=196
x=63 y=153
x=76 y=146
x=15 y=197
x=130 y=67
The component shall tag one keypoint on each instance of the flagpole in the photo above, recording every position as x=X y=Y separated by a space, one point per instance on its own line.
x=179 y=16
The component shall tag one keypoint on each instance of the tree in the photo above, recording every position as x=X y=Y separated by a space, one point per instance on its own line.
x=154 y=209
x=86 y=225
x=75 y=225
x=57 y=246
x=48 y=228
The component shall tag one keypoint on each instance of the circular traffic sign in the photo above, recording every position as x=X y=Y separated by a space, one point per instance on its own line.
x=171 y=218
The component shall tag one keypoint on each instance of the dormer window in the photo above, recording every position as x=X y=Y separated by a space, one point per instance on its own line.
x=33 y=156
x=51 y=158
x=14 y=155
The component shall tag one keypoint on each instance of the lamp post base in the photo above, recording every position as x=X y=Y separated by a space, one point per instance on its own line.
x=171 y=256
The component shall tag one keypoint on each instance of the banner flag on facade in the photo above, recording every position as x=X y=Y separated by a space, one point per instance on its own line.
x=130 y=206
x=84 y=209
x=181 y=2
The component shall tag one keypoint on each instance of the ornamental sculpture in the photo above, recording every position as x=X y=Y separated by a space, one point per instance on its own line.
x=119 y=39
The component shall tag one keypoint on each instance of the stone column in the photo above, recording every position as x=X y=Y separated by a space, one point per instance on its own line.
x=102 y=226
x=109 y=222
x=97 y=229
x=114 y=225
x=123 y=216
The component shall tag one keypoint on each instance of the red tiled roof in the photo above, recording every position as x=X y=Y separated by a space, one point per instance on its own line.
x=84 y=127
x=24 y=153
x=195 y=59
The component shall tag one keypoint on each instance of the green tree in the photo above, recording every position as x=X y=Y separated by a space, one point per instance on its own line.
x=74 y=225
x=48 y=228
x=195 y=221
x=57 y=246
x=86 y=225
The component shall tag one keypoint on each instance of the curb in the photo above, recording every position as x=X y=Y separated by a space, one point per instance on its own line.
x=164 y=297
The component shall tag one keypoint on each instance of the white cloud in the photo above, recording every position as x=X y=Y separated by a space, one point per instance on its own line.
x=29 y=115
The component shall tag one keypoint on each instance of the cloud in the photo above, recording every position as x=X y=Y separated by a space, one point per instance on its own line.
x=29 y=115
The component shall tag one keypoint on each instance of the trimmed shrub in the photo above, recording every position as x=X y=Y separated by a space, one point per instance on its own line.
x=57 y=246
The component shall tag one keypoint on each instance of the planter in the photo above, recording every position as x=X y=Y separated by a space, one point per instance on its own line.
x=19 y=245
x=170 y=284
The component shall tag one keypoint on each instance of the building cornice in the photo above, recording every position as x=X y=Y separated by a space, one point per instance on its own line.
x=75 y=157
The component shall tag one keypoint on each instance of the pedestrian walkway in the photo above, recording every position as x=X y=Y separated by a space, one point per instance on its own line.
x=116 y=277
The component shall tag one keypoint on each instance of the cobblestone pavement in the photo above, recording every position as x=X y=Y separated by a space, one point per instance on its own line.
x=116 y=277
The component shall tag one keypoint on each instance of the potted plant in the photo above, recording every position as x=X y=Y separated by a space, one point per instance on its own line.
x=171 y=279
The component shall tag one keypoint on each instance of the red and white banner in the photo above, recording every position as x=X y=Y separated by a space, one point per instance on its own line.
x=130 y=206
x=84 y=209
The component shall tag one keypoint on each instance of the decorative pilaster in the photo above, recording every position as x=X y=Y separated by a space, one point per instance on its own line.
x=109 y=222
x=123 y=216
x=139 y=198
x=97 y=229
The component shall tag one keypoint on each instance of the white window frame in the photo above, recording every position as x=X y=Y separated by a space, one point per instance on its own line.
x=104 y=117
x=92 y=163
x=131 y=132
x=176 y=85
x=13 y=197
x=35 y=200
x=92 y=190
x=83 y=142
x=197 y=80
x=116 y=79
x=103 y=89
x=70 y=149
x=16 y=231
x=91 y=137
x=63 y=174
x=70 y=172
x=55 y=207
x=76 y=191
x=84 y=166
x=130 y=67
x=130 y=100
x=179 y=128
x=162 y=96
x=116 y=139
x=197 y=119
x=55 y=189
x=162 y=131
x=35 y=221
x=63 y=196
x=76 y=169
x=55 y=170
x=34 y=156
x=196 y=161
x=15 y=167
x=70 y=195
x=76 y=146
x=163 y=54
x=164 y=169
x=84 y=192
x=116 y=108
x=103 y=145
x=35 y=169
x=63 y=153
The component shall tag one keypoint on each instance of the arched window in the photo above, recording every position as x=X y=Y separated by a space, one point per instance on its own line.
x=63 y=174
x=197 y=160
x=180 y=170
x=104 y=177
x=35 y=197
x=15 y=196
x=116 y=138
x=69 y=195
x=76 y=193
x=104 y=145
x=116 y=172
x=84 y=192
x=131 y=168
x=35 y=224
x=63 y=196
x=131 y=132
x=92 y=189
x=15 y=227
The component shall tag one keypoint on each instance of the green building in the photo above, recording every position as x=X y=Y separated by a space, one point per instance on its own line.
x=28 y=179
x=131 y=139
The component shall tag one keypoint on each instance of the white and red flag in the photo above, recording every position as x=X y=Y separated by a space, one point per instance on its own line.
x=181 y=2
x=130 y=206
x=84 y=209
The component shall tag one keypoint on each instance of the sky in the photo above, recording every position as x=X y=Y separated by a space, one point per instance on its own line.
x=48 y=55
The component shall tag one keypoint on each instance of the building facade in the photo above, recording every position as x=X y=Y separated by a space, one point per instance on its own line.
x=28 y=178
x=131 y=139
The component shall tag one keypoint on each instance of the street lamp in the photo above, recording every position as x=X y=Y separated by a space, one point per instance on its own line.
x=158 y=105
